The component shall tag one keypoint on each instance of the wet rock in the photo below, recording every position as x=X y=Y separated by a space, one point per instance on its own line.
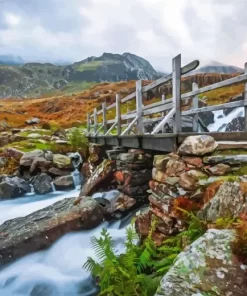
x=42 y=184
x=227 y=202
x=15 y=153
x=233 y=99
x=27 y=159
x=236 y=125
x=197 y=145
x=121 y=203
x=207 y=267
x=40 y=163
x=190 y=179
x=100 y=178
x=76 y=159
x=13 y=187
x=33 y=120
x=135 y=191
x=48 y=155
x=64 y=183
x=40 y=229
x=219 y=169
x=62 y=161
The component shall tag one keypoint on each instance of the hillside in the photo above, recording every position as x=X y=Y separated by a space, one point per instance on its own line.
x=35 y=79
x=69 y=110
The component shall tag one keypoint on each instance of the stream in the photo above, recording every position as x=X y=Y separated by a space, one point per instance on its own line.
x=58 y=270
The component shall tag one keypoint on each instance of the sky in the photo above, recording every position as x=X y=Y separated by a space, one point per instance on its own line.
x=157 y=30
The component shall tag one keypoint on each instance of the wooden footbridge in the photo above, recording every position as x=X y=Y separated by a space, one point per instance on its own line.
x=129 y=130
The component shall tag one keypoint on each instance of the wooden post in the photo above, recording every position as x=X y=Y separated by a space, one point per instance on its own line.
x=195 y=106
x=245 y=99
x=163 y=98
x=88 y=123
x=104 y=117
x=140 y=126
x=176 y=93
x=118 y=114
x=95 y=120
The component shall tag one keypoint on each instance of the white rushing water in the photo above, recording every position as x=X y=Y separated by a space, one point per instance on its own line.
x=57 y=271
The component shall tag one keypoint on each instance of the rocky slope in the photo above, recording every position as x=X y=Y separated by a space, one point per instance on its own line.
x=34 y=79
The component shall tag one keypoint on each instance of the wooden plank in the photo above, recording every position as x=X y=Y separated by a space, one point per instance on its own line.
x=97 y=132
x=95 y=120
x=111 y=106
x=165 y=144
x=140 y=126
x=129 y=116
x=150 y=106
x=129 y=97
x=228 y=145
x=88 y=123
x=195 y=106
x=129 y=126
x=245 y=99
x=234 y=80
x=118 y=114
x=163 y=121
x=189 y=67
x=176 y=93
x=163 y=114
x=214 y=108
x=111 y=121
x=158 y=109
x=104 y=117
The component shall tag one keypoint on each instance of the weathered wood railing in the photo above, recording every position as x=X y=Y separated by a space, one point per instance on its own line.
x=169 y=109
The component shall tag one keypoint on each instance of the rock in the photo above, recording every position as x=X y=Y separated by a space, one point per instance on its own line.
x=135 y=191
x=207 y=267
x=99 y=179
x=28 y=157
x=33 y=120
x=62 y=142
x=239 y=97
x=190 y=179
x=159 y=176
x=236 y=125
x=219 y=169
x=161 y=189
x=64 y=183
x=61 y=161
x=48 y=155
x=3 y=161
x=4 y=140
x=13 y=187
x=160 y=162
x=15 y=153
x=58 y=172
x=41 y=229
x=227 y=159
x=197 y=145
x=143 y=222
x=175 y=168
x=121 y=166
x=34 y=136
x=113 y=154
x=133 y=178
x=15 y=130
x=227 y=202
x=76 y=159
x=194 y=161
x=42 y=184
x=40 y=163
x=16 y=138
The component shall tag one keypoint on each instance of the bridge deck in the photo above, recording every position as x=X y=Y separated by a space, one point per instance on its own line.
x=161 y=142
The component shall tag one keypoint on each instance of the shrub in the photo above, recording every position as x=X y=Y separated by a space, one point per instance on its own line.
x=78 y=140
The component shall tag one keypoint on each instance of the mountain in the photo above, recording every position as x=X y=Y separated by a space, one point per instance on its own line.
x=35 y=79
x=216 y=67
x=11 y=60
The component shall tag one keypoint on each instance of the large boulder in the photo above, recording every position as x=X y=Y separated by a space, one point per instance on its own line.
x=42 y=184
x=64 y=183
x=62 y=161
x=40 y=229
x=227 y=202
x=100 y=178
x=13 y=187
x=27 y=159
x=41 y=164
x=207 y=267
x=197 y=145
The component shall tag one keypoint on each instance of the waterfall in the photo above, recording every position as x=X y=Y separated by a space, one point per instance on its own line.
x=31 y=191
x=53 y=187
x=76 y=175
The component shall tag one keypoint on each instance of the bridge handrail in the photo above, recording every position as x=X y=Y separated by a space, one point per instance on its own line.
x=170 y=109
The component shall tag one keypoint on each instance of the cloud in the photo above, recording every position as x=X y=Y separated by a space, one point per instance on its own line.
x=154 y=29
